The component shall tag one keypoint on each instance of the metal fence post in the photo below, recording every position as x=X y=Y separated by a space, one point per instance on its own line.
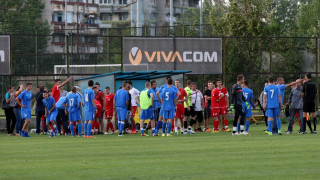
x=68 y=60
x=224 y=59
x=317 y=71
x=270 y=53
x=36 y=46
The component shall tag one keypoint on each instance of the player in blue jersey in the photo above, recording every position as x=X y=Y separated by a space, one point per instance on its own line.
x=121 y=101
x=73 y=104
x=51 y=112
x=169 y=102
x=248 y=95
x=272 y=103
x=159 y=95
x=145 y=100
x=89 y=109
x=25 y=104
x=282 y=86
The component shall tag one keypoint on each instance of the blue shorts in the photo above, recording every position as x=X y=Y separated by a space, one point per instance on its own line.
x=273 y=112
x=168 y=114
x=25 y=113
x=161 y=112
x=73 y=116
x=247 y=112
x=89 y=115
x=52 y=116
x=147 y=114
x=121 y=113
x=78 y=114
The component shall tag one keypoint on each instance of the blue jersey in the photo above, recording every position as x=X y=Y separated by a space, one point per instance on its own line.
x=88 y=95
x=73 y=101
x=59 y=104
x=48 y=103
x=168 y=97
x=282 y=88
x=166 y=85
x=272 y=92
x=156 y=102
x=121 y=98
x=25 y=97
x=248 y=95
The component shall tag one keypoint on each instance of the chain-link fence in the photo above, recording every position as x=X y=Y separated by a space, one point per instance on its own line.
x=40 y=58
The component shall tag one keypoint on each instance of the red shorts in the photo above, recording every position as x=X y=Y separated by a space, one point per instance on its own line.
x=216 y=112
x=297 y=114
x=108 y=114
x=133 y=111
x=98 y=114
x=179 y=112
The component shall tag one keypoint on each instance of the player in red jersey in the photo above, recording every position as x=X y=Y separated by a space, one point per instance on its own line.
x=223 y=104
x=95 y=124
x=179 y=116
x=215 y=109
x=55 y=89
x=109 y=110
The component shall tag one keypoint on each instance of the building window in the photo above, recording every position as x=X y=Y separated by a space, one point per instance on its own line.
x=123 y=17
x=59 y=38
x=105 y=17
x=58 y=17
x=106 y=1
x=123 y=2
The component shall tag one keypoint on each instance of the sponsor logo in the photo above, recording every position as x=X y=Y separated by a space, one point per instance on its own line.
x=2 y=56
x=136 y=55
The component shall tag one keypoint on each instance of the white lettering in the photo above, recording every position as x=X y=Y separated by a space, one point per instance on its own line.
x=185 y=59
x=1 y=56
x=213 y=57
x=197 y=56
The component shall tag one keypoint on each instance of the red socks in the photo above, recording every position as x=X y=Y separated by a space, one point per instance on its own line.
x=216 y=125
x=226 y=124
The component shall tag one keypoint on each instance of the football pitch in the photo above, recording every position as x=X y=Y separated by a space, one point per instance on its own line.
x=199 y=156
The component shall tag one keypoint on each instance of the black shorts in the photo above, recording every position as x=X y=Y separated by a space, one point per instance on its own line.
x=191 y=113
x=309 y=107
x=199 y=116
x=207 y=112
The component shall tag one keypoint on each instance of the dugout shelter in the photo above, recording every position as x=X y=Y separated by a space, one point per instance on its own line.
x=115 y=79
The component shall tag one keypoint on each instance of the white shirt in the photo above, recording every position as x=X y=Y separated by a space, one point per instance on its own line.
x=197 y=101
x=134 y=92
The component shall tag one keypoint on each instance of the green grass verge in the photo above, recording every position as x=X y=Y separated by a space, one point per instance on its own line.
x=200 y=156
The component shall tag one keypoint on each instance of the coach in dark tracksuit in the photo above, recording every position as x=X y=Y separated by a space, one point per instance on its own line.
x=40 y=110
x=237 y=99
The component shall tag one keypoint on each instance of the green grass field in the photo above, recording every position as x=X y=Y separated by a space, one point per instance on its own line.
x=200 y=156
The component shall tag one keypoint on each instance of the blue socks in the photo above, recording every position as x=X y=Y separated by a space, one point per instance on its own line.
x=153 y=130
x=238 y=127
x=279 y=123
x=270 y=126
x=79 y=128
x=164 y=125
x=169 y=127
x=85 y=129
x=247 y=125
x=89 y=129
x=72 y=128
x=159 y=124
x=121 y=126
x=142 y=130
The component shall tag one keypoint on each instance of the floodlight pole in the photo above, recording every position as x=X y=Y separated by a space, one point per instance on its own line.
x=171 y=16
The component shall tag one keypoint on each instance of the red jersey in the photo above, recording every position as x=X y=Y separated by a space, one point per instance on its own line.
x=223 y=102
x=109 y=99
x=55 y=93
x=214 y=98
x=99 y=97
x=182 y=96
